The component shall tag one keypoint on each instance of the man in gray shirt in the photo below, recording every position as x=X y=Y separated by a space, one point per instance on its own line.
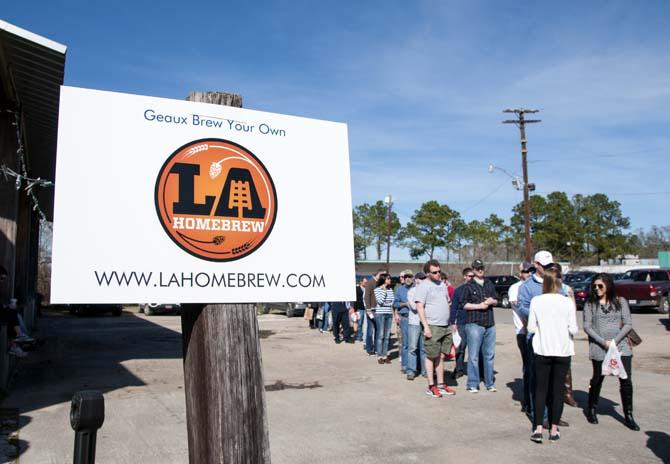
x=432 y=305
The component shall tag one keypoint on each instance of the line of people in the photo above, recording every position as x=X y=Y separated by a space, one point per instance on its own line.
x=545 y=320
x=432 y=317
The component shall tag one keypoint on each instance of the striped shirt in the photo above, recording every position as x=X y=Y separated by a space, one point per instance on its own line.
x=385 y=298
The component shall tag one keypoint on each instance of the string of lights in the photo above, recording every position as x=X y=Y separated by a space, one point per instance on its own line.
x=21 y=178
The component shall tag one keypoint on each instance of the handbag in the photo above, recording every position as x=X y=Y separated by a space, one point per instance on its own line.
x=633 y=338
x=309 y=313
x=319 y=314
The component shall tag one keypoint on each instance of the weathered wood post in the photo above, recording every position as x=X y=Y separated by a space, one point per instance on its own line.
x=223 y=372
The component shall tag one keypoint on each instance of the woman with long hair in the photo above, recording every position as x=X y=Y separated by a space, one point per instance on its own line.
x=607 y=320
x=383 y=317
x=553 y=322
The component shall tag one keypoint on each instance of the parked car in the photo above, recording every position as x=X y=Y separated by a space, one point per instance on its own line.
x=95 y=309
x=502 y=284
x=620 y=276
x=291 y=309
x=576 y=277
x=149 y=309
x=646 y=288
x=582 y=290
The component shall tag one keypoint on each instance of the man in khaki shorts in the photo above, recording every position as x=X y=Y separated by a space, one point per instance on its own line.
x=432 y=305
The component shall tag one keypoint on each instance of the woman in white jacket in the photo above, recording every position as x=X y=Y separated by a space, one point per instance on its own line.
x=553 y=320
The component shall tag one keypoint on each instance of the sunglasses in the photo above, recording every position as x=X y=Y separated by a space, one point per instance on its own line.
x=470 y=275
x=598 y=286
x=409 y=276
x=435 y=272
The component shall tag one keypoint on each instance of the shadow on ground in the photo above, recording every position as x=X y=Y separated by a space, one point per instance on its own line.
x=659 y=444
x=11 y=446
x=517 y=389
x=87 y=353
x=666 y=322
x=605 y=407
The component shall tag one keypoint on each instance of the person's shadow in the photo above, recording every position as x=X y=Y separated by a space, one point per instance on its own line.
x=666 y=322
x=659 y=444
x=605 y=407
x=517 y=389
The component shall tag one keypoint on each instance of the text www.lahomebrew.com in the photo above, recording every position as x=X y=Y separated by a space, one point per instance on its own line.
x=205 y=279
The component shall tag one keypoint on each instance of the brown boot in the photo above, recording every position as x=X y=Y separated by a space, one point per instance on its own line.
x=567 y=396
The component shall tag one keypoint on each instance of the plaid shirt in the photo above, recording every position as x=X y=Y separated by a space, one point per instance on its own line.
x=476 y=294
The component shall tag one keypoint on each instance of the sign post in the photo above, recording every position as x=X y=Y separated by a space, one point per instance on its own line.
x=210 y=206
x=223 y=376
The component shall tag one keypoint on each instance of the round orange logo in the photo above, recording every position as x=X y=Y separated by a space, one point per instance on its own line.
x=216 y=200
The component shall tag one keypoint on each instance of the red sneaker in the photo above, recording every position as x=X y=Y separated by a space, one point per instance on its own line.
x=434 y=392
x=446 y=390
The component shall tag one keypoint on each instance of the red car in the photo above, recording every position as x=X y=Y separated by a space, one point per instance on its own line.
x=646 y=288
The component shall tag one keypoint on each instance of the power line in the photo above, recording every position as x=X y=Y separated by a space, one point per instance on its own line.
x=485 y=197
x=613 y=194
x=598 y=155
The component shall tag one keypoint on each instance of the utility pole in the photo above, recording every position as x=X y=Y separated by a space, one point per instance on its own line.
x=521 y=124
x=226 y=416
x=389 y=201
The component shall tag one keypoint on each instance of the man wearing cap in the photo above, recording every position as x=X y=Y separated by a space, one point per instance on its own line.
x=520 y=327
x=478 y=299
x=529 y=289
x=416 y=355
x=401 y=307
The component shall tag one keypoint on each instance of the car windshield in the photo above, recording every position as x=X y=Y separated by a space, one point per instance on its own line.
x=578 y=277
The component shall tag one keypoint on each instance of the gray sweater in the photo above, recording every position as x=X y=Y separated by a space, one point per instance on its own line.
x=602 y=326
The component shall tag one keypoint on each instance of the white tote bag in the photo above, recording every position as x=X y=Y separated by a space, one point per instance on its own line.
x=456 y=339
x=612 y=363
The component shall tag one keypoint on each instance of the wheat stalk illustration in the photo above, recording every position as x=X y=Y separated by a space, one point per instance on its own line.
x=242 y=248
x=197 y=149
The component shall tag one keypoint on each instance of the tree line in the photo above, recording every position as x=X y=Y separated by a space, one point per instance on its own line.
x=581 y=229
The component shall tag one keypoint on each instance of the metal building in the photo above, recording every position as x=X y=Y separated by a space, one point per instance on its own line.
x=31 y=73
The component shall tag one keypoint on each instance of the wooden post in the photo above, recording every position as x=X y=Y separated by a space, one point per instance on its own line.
x=223 y=373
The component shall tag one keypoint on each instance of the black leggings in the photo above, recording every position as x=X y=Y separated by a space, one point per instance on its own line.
x=549 y=378
x=625 y=385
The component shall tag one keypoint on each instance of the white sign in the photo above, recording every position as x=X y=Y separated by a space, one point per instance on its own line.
x=171 y=201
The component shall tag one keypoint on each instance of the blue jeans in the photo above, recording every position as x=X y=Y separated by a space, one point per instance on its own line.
x=370 y=334
x=361 y=323
x=384 y=322
x=484 y=339
x=416 y=354
x=404 y=343
x=460 y=353
x=324 y=321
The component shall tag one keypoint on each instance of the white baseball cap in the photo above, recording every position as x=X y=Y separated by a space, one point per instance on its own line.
x=543 y=257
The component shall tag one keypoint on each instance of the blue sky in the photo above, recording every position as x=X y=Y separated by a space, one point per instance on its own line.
x=420 y=84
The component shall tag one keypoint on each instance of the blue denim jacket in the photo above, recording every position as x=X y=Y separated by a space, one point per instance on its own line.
x=401 y=297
